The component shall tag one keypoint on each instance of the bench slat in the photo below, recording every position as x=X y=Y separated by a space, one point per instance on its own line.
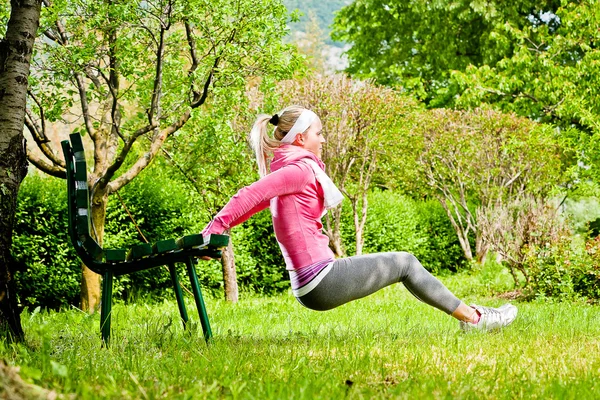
x=164 y=246
x=82 y=225
x=139 y=251
x=93 y=248
x=82 y=198
x=190 y=241
x=115 y=255
x=218 y=240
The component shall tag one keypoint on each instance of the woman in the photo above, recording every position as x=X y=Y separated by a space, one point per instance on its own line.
x=298 y=191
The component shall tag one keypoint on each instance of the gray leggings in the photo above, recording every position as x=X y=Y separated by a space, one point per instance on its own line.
x=359 y=276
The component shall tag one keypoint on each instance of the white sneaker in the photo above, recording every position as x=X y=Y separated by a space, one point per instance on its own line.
x=491 y=318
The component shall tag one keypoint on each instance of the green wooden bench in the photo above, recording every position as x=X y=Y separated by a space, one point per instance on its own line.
x=115 y=262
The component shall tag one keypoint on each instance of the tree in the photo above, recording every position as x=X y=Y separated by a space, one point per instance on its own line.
x=359 y=122
x=474 y=162
x=552 y=75
x=130 y=74
x=417 y=44
x=15 y=56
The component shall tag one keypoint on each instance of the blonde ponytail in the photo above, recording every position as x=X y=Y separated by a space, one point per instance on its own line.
x=262 y=143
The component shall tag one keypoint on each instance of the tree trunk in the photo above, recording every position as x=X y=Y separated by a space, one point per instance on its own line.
x=15 y=57
x=90 y=281
x=481 y=248
x=229 y=275
x=333 y=230
x=359 y=223
x=463 y=234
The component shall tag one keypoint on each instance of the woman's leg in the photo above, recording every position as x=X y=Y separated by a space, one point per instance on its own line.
x=359 y=276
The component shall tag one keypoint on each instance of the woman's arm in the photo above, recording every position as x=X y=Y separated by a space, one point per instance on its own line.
x=256 y=197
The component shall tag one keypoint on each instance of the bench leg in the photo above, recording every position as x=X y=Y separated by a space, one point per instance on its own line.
x=199 y=300
x=105 y=312
x=178 y=294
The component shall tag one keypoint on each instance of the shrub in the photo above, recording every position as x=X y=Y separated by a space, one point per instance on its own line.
x=551 y=269
x=564 y=269
x=396 y=222
x=259 y=263
x=51 y=271
x=162 y=208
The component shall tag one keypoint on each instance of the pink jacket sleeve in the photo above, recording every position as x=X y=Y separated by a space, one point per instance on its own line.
x=256 y=197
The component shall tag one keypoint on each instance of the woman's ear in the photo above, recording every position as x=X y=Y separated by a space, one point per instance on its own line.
x=299 y=139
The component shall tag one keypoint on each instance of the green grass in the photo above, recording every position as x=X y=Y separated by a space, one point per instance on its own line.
x=386 y=346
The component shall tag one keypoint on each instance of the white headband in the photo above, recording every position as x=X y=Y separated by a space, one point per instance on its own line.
x=306 y=118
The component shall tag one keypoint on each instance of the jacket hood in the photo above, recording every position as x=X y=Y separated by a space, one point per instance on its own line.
x=288 y=153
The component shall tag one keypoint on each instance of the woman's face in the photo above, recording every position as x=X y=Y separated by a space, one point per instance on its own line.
x=312 y=139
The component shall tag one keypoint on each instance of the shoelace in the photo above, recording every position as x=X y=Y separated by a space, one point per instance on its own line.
x=491 y=311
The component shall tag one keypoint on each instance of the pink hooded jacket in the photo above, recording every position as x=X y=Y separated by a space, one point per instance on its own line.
x=296 y=201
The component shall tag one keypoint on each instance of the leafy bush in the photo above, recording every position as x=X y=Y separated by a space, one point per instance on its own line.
x=551 y=269
x=162 y=208
x=398 y=223
x=259 y=263
x=51 y=271
x=587 y=281
x=442 y=251
x=565 y=269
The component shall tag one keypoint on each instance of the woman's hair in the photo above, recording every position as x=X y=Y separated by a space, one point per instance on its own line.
x=262 y=143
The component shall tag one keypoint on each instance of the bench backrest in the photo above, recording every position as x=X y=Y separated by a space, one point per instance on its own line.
x=79 y=201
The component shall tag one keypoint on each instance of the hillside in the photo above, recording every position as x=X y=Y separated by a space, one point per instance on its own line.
x=323 y=10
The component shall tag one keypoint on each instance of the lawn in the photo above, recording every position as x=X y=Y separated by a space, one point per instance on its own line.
x=386 y=346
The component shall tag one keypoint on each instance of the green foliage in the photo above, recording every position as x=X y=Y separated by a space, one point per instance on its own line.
x=259 y=263
x=243 y=38
x=213 y=153
x=551 y=270
x=417 y=44
x=442 y=251
x=581 y=212
x=565 y=269
x=50 y=270
x=162 y=208
x=551 y=75
x=398 y=223
x=479 y=158
x=4 y=16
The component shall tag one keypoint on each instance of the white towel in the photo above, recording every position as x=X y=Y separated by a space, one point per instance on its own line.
x=332 y=194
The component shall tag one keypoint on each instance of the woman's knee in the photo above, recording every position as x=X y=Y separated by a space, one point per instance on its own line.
x=408 y=263
x=405 y=258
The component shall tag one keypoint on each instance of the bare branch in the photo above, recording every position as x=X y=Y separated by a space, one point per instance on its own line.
x=84 y=105
x=41 y=131
x=145 y=160
x=114 y=113
x=192 y=44
x=112 y=169
x=200 y=99
x=40 y=142
x=42 y=165
x=157 y=90
x=50 y=35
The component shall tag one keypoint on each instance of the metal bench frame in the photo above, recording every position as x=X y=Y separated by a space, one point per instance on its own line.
x=115 y=262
